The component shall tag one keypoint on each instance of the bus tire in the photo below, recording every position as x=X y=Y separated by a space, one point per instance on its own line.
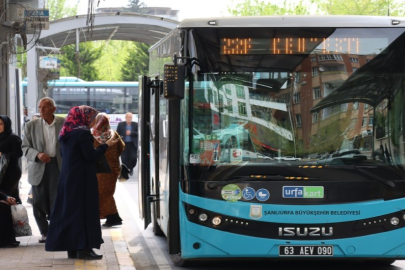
x=156 y=228
x=178 y=260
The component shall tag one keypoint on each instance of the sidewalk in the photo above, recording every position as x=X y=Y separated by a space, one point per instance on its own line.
x=31 y=254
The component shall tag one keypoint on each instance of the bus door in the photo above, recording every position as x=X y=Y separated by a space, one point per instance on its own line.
x=144 y=166
x=149 y=137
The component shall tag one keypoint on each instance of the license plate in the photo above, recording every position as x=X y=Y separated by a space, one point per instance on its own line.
x=305 y=250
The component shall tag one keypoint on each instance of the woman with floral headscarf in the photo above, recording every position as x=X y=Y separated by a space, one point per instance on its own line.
x=102 y=132
x=75 y=224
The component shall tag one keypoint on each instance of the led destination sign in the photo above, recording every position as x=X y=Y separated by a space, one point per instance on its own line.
x=296 y=45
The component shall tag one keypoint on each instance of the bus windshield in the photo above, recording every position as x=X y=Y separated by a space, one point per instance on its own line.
x=296 y=97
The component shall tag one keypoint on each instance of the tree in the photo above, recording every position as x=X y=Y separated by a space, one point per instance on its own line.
x=319 y=7
x=81 y=65
x=257 y=8
x=114 y=55
x=60 y=9
x=135 y=6
x=136 y=63
x=361 y=7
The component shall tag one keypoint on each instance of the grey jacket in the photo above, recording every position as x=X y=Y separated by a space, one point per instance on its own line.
x=33 y=144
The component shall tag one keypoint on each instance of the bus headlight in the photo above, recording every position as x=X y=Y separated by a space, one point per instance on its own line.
x=216 y=221
x=203 y=217
x=394 y=221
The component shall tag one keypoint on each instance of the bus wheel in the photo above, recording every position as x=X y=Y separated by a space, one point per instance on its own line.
x=178 y=260
x=156 y=228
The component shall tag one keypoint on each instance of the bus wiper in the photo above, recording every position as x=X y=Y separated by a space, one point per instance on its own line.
x=252 y=178
x=376 y=177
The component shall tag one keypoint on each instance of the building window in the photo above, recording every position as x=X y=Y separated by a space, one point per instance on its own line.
x=230 y=108
x=354 y=60
x=298 y=119
x=296 y=97
x=317 y=92
x=314 y=71
x=228 y=90
x=335 y=109
x=242 y=108
x=315 y=117
x=210 y=99
x=221 y=105
x=364 y=123
x=326 y=57
x=355 y=106
x=297 y=76
x=240 y=91
x=313 y=59
x=370 y=121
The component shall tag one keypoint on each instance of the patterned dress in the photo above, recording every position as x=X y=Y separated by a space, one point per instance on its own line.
x=107 y=181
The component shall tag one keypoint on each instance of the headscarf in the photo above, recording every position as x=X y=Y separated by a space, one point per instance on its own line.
x=101 y=130
x=79 y=117
x=7 y=127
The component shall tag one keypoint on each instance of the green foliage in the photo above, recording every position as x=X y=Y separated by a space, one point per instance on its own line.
x=257 y=8
x=319 y=7
x=113 y=58
x=135 y=6
x=60 y=9
x=82 y=66
x=330 y=135
x=136 y=63
x=360 y=7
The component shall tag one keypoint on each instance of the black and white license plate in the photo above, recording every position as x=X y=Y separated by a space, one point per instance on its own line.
x=305 y=250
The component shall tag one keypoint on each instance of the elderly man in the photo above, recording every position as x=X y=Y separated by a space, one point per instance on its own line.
x=128 y=130
x=41 y=148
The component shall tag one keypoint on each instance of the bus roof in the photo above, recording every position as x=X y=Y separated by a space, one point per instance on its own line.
x=295 y=21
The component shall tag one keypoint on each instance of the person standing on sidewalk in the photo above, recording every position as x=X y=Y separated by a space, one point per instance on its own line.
x=128 y=130
x=107 y=182
x=75 y=219
x=10 y=147
x=42 y=150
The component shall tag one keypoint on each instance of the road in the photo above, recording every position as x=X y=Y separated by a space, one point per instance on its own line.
x=150 y=252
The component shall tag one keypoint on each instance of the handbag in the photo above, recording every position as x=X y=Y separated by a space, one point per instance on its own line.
x=102 y=165
x=20 y=220
x=3 y=166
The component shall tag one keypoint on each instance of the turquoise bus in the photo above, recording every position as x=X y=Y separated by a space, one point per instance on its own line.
x=276 y=137
x=113 y=98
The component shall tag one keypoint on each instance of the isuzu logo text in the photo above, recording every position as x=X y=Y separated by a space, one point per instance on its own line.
x=305 y=231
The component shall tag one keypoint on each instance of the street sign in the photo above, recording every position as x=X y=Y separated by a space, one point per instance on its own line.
x=47 y=62
x=37 y=18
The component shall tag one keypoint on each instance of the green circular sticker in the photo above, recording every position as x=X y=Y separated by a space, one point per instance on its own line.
x=231 y=193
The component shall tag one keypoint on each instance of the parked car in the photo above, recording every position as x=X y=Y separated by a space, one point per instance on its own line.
x=287 y=158
x=291 y=158
x=263 y=157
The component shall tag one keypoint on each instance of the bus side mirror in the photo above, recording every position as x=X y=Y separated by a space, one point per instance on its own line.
x=173 y=83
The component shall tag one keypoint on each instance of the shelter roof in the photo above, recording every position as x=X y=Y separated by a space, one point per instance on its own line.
x=107 y=26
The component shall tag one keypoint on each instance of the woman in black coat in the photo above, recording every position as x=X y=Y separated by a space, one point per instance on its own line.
x=7 y=235
x=10 y=146
x=75 y=224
